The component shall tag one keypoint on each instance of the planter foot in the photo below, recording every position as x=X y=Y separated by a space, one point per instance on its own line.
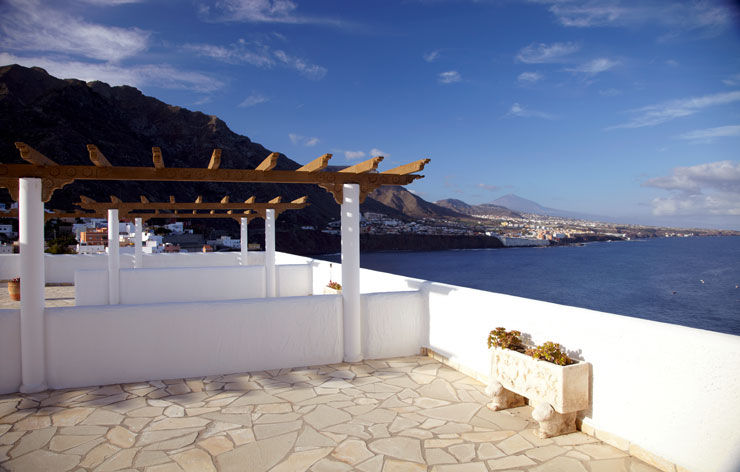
x=551 y=422
x=503 y=398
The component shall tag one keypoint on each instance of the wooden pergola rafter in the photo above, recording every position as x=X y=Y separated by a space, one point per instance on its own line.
x=55 y=176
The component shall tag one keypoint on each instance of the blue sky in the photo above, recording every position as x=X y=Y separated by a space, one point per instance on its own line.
x=626 y=109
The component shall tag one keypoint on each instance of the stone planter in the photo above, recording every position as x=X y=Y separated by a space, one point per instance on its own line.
x=556 y=392
x=14 y=290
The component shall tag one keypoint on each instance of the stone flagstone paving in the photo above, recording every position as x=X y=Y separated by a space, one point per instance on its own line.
x=401 y=414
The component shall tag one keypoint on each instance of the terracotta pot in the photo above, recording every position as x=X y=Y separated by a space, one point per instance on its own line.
x=14 y=289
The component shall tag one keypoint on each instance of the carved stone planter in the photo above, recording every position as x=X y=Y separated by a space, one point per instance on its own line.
x=556 y=392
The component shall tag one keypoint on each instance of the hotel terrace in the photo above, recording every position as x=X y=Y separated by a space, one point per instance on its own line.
x=240 y=361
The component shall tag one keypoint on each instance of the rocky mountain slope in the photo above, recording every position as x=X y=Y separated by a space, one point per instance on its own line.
x=484 y=209
x=60 y=117
x=412 y=205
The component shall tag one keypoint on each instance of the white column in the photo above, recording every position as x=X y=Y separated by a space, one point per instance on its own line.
x=351 y=272
x=244 y=241
x=31 y=240
x=270 y=252
x=113 y=260
x=138 y=257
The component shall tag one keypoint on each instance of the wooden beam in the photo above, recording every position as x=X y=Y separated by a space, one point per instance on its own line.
x=251 y=199
x=302 y=199
x=215 y=160
x=225 y=199
x=157 y=158
x=316 y=165
x=85 y=199
x=172 y=199
x=199 y=199
x=410 y=168
x=276 y=200
x=32 y=156
x=143 y=199
x=269 y=163
x=97 y=157
x=363 y=167
x=114 y=199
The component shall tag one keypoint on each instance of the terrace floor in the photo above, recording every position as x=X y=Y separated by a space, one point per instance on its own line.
x=401 y=414
x=54 y=295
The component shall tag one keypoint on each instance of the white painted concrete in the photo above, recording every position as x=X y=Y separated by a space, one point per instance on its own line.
x=138 y=261
x=270 y=251
x=244 y=241
x=31 y=240
x=119 y=343
x=392 y=324
x=350 y=220
x=294 y=280
x=10 y=266
x=91 y=287
x=114 y=263
x=10 y=351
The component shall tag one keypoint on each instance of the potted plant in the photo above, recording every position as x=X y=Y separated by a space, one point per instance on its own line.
x=333 y=288
x=14 y=289
x=554 y=384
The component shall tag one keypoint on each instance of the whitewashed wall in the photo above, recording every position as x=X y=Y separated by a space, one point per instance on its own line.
x=10 y=351
x=669 y=389
x=392 y=324
x=60 y=268
x=98 y=345
x=294 y=280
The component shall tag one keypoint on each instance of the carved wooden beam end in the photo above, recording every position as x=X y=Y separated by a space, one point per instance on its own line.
x=157 y=158
x=316 y=165
x=32 y=156
x=269 y=163
x=215 y=162
x=97 y=157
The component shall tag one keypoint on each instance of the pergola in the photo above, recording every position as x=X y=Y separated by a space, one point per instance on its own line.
x=33 y=183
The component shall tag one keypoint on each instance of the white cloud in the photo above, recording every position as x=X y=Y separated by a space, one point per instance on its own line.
x=708 y=134
x=431 y=56
x=490 y=188
x=610 y=92
x=518 y=110
x=106 y=3
x=259 y=11
x=299 y=140
x=594 y=66
x=652 y=115
x=378 y=152
x=254 y=99
x=258 y=54
x=29 y=25
x=529 y=77
x=732 y=81
x=352 y=155
x=704 y=189
x=546 y=53
x=449 y=77
x=148 y=74
x=686 y=15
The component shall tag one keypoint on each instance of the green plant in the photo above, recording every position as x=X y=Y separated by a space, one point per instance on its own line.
x=334 y=285
x=550 y=352
x=499 y=337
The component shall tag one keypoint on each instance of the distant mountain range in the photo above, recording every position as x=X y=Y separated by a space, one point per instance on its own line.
x=522 y=205
x=484 y=209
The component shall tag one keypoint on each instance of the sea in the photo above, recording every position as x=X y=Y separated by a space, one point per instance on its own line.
x=691 y=281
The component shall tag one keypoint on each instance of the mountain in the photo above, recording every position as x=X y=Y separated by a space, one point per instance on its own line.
x=412 y=205
x=60 y=117
x=485 y=209
x=517 y=203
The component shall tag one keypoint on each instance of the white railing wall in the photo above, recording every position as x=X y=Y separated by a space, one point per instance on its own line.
x=99 y=345
x=10 y=350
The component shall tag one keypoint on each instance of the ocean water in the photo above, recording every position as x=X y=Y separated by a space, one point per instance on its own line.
x=687 y=281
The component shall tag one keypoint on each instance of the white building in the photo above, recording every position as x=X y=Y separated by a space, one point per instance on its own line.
x=7 y=230
x=175 y=227
x=6 y=249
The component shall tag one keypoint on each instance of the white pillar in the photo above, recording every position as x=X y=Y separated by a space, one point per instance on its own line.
x=351 y=272
x=31 y=240
x=270 y=252
x=113 y=260
x=138 y=257
x=244 y=241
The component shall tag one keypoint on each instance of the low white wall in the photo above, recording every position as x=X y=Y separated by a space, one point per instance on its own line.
x=10 y=351
x=294 y=280
x=91 y=287
x=669 y=389
x=60 y=268
x=392 y=324
x=98 y=345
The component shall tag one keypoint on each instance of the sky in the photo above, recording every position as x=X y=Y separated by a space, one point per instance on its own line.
x=629 y=110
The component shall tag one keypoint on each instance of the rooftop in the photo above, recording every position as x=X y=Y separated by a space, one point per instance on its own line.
x=409 y=414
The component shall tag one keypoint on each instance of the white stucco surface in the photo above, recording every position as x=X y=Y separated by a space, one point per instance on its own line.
x=294 y=280
x=671 y=390
x=10 y=350
x=392 y=324
x=99 y=345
